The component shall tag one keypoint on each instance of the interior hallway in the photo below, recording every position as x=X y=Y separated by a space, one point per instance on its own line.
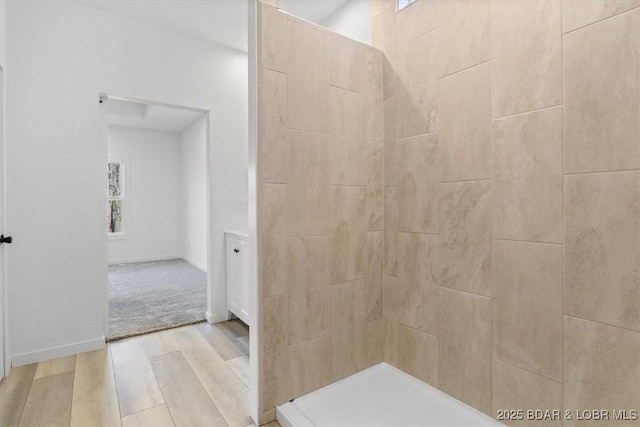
x=195 y=375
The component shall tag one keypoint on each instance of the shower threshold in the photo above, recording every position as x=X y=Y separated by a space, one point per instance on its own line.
x=379 y=396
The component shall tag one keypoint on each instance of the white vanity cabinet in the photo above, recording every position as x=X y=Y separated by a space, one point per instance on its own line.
x=237 y=274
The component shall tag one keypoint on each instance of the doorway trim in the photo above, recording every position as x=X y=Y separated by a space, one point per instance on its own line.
x=104 y=137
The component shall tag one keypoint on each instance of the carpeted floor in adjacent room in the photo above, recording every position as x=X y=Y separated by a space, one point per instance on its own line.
x=150 y=296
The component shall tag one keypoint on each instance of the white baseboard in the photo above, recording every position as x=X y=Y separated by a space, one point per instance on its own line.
x=217 y=317
x=195 y=263
x=55 y=352
x=145 y=259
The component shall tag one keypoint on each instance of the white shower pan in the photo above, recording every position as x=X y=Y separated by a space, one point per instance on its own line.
x=379 y=396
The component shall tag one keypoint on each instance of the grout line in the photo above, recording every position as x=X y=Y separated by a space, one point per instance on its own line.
x=415 y=329
x=464 y=292
x=527 y=370
x=349 y=185
x=288 y=129
x=264 y=67
x=401 y=45
x=465 y=69
x=604 y=324
x=335 y=86
x=598 y=21
x=527 y=241
x=418 y=232
x=601 y=172
x=404 y=138
x=466 y=180
x=527 y=112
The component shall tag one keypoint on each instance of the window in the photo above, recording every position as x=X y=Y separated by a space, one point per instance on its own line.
x=404 y=3
x=115 y=198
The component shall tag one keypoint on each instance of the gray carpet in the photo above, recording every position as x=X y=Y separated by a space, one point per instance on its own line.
x=150 y=296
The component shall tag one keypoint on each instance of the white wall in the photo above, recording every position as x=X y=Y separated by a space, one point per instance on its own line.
x=194 y=193
x=62 y=55
x=4 y=362
x=153 y=194
x=352 y=20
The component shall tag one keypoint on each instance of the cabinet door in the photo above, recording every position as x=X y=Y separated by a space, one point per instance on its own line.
x=234 y=278
x=244 y=283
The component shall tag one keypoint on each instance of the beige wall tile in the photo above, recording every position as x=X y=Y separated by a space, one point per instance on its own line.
x=526 y=39
x=602 y=248
x=309 y=283
x=374 y=94
x=602 y=64
x=273 y=239
x=418 y=264
x=375 y=253
x=307 y=77
x=465 y=236
x=465 y=124
x=390 y=231
x=310 y=366
x=418 y=355
x=375 y=186
x=378 y=6
x=578 y=13
x=275 y=351
x=602 y=367
x=308 y=193
x=349 y=328
x=384 y=38
x=391 y=324
x=415 y=20
x=527 y=306
x=354 y=65
x=527 y=177
x=390 y=142
x=348 y=232
x=515 y=388
x=348 y=138
x=272 y=127
x=464 y=34
x=418 y=183
x=375 y=342
x=417 y=86
x=465 y=348
x=272 y=41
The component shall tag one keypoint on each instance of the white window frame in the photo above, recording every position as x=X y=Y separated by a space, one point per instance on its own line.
x=401 y=4
x=124 y=234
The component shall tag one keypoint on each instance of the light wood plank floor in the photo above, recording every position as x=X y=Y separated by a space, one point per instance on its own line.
x=191 y=376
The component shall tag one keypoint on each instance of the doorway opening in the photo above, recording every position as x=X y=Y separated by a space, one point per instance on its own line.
x=157 y=202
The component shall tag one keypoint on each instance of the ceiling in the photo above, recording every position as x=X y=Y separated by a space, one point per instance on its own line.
x=152 y=117
x=218 y=21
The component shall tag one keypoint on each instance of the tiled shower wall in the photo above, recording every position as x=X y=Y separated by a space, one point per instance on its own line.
x=320 y=169
x=512 y=200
